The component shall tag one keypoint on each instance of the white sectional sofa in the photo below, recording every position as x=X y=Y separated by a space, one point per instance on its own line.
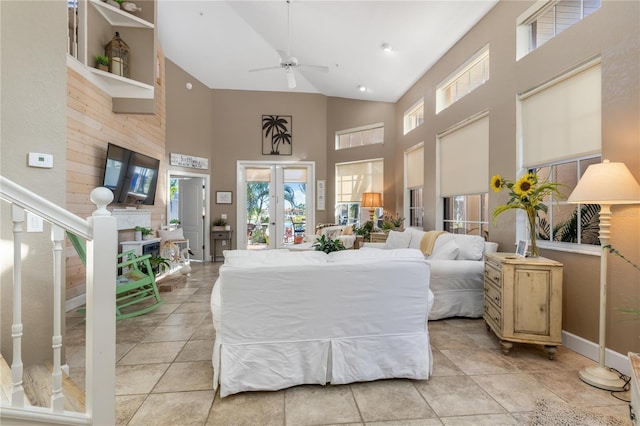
x=289 y=318
x=457 y=269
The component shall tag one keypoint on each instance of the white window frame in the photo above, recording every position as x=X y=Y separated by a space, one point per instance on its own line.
x=355 y=130
x=464 y=71
x=481 y=224
x=412 y=117
x=407 y=189
x=524 y=38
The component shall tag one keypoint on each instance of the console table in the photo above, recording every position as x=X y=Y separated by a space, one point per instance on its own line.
x=225 y=239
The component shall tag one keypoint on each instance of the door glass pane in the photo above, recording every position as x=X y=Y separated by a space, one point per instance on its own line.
x=258 y=186
x=295 y=210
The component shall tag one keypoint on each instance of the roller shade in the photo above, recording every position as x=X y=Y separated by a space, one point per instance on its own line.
x=258 y=174
x=464 y=159
x=352 y=179
x=415 y=168
x=563 y=120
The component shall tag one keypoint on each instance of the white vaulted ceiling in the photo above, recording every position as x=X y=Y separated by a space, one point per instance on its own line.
x=218 y=42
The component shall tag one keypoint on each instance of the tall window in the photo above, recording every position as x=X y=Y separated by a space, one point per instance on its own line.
x=467 y=214
x=561 y=130
x=540 y=24
x=414 y=178
x=367 y=135
x=414 y=116
x=565 y=222
x=352 y=179
x=471 y=75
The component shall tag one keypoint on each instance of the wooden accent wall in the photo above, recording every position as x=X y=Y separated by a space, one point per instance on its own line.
x=91 y=125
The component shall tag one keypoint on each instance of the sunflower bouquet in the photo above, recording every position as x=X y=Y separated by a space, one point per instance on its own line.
x=528 y=194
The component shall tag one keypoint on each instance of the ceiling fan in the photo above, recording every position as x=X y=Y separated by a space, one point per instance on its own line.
x=289 y=63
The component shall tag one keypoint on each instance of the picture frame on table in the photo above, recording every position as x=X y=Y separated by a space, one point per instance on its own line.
x=224 y=197
x=521 y=248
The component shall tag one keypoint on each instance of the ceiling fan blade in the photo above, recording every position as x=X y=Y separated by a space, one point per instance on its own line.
x=265 y=68
x=291 y=79
x=319 y=68
x=283 y=56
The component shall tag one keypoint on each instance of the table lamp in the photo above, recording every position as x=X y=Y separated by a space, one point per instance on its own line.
x=371 y=201
x=605 y=184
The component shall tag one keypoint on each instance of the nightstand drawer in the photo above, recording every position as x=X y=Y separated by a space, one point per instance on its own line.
x=220 y=235
x=493 y=275
x=492 y=294
x=492 y=315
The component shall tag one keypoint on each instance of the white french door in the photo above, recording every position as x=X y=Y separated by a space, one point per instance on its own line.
x=275 y=203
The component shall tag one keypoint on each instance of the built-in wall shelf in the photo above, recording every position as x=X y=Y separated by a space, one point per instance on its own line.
x=119 y=18
x=130 y=218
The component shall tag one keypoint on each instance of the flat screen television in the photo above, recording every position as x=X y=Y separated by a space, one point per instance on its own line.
x=131 y=176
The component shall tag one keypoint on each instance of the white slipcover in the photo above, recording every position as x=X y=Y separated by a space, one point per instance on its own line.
x=312 y=323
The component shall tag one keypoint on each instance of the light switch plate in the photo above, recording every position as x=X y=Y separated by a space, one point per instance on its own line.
x=37 y=159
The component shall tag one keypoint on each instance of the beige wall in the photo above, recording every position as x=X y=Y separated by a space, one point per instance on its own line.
x=620 y=52
x=33 y=120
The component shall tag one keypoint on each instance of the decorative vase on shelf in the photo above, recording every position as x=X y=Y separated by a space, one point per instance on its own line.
x=137 y=235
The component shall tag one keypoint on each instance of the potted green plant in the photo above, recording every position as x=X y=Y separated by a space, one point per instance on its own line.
x=145 y=233
x=102 y=62
x=219 y=224
x=158 y=264
x=328 y=245
x=364 y=230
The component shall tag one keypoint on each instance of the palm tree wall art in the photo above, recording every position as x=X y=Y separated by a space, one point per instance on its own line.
x=276 y=135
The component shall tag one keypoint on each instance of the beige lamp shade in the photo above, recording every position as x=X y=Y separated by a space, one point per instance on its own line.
x=371 y=200
x=606 y=183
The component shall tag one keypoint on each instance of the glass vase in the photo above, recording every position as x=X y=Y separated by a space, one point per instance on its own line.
x=531 y=220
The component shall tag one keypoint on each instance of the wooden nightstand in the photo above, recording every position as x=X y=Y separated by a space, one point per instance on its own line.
x=523 y=300
x=378 y=237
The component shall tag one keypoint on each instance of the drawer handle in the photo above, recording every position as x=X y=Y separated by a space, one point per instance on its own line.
x=496 y=298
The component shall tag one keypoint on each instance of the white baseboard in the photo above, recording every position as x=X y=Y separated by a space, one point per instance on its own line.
x=74 y=303
x=591 y=350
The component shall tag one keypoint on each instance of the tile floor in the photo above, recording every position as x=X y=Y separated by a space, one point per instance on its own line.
x=164 y=376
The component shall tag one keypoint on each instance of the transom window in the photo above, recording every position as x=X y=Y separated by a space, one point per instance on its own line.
x=471 y=75
x=414 y=116
x=367 y=135
x=542 y=23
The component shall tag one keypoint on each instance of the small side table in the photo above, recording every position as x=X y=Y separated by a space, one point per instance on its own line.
x=378 y=237
x=224 y=237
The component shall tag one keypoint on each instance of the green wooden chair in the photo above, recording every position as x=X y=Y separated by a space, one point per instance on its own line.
x=136 y=289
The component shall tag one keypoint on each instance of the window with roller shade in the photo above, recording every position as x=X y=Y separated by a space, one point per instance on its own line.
x=414 y=170
x=353 y=179
x=561 y=137
x=464 y=176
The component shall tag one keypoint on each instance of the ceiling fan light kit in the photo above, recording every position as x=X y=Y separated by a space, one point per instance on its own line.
x=289 y=63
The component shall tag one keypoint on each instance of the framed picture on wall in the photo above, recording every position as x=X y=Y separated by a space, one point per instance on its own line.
x=277 y=136
x=224 y=197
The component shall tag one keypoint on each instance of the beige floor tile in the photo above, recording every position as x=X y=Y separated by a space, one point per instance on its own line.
x=196 y=350
x=126 y=407
x=442 y=366
x=171 y=409
x=190 y=319
x=479 y=361
x=152 y=353
x=205 y=297
x=484 y=339
x=320 y=405
x=390 y=400
x=480 y=420
x=568 y=386
x=532 y=358
x=170 y=333
x=174 y=299
x=205 y=331
x=444 y=339
x=457 y=396
x=167 y=308
x=152 y=319
x=138 y=379
x=75 y=356
x=515 y=392
x=189 y=307
x=131 y=333
x=185 y=376
x=122 y=349
x=572 y=361
x=75 y=336
x=413 y=422
x=248 y=409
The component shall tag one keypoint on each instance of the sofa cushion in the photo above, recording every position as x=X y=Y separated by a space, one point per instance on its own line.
x=471 y=247
x=397 y=240
x=448 y=251
x=373 y=255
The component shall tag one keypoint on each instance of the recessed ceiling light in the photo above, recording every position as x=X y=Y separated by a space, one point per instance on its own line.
x=386 y=47
x=362 y=88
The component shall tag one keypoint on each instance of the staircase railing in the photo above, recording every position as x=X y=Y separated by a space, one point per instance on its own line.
x=100 y=232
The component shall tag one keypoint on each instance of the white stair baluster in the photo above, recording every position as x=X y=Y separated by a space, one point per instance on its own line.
x=17 y=390
x=57 y=396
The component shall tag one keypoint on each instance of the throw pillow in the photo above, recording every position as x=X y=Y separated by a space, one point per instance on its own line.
x=347 y=230
x=173 y=234
x=448 y=251
x=397 y=240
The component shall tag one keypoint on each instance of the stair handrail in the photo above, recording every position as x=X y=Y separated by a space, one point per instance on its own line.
x=44 y=208
x=101 y=234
